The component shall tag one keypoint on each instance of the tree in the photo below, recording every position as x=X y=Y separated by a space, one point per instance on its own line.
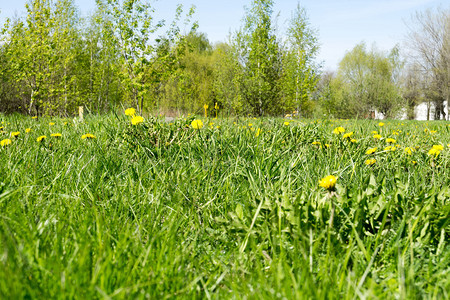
x=412 y=89
x=42 y=56
x=100 y=64
x=64 y=61
x=133 y=25
x=323 y=95
x=30 y=51
x=369 y=81
x=429 y=45
x=131 y=22
x=191 y=83
x=259 y=56
x=300 y=71
x=10 y=95
x=227 y=79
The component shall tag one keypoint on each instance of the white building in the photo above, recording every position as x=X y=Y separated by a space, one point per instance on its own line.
x=420 y=112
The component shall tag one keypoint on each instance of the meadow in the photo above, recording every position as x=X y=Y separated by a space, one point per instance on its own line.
x=243 y=208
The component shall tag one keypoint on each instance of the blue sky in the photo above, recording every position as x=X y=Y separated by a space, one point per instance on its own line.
x=341 y=24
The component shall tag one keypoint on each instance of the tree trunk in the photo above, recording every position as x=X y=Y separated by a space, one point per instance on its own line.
x=448 y=108
x=31 y=101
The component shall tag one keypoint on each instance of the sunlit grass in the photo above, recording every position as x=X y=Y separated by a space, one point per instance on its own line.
x=229 y=209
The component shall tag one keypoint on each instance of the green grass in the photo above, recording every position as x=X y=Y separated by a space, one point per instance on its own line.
x=165 y=211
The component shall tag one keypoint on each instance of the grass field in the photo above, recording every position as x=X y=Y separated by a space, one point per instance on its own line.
x=107 y=209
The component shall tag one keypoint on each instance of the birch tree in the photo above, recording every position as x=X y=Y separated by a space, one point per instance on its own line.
x=300 y=70
x=260 y=59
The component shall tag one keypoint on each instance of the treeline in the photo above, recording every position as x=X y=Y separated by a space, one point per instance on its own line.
x=122 y=55
x=370 y=81
x=54 y=61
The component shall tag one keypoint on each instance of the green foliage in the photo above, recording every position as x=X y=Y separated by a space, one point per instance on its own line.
x=41 y=56
x=227 y=75
x=300 y=71
x=260 y=59
x=367 y=81
x=131 y=23
x=53 y=61
x=100 y=83
x=189 y=87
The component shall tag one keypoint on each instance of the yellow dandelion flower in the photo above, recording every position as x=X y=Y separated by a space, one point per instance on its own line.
x=286 y=123
x=197 y=124
x=5 y=142
x=347 y=135
x=408 y=150
x=316 y=143
x=42 y=137
x=130 y=112
x=377 y=136
x=137 y=120
x=371 y=150
x=87 y=136
x=327 y=145
x=258 y=132
x=381 y=124
x=328 y=182
x=435 y=150
x=15 y=133
x=370 y=162
x=56 y=135
x=28 y=130
x=338 y=130
x=374 y=132
x=51 y=123
x=34 y=117
x=390 y=141
x=353 y=141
